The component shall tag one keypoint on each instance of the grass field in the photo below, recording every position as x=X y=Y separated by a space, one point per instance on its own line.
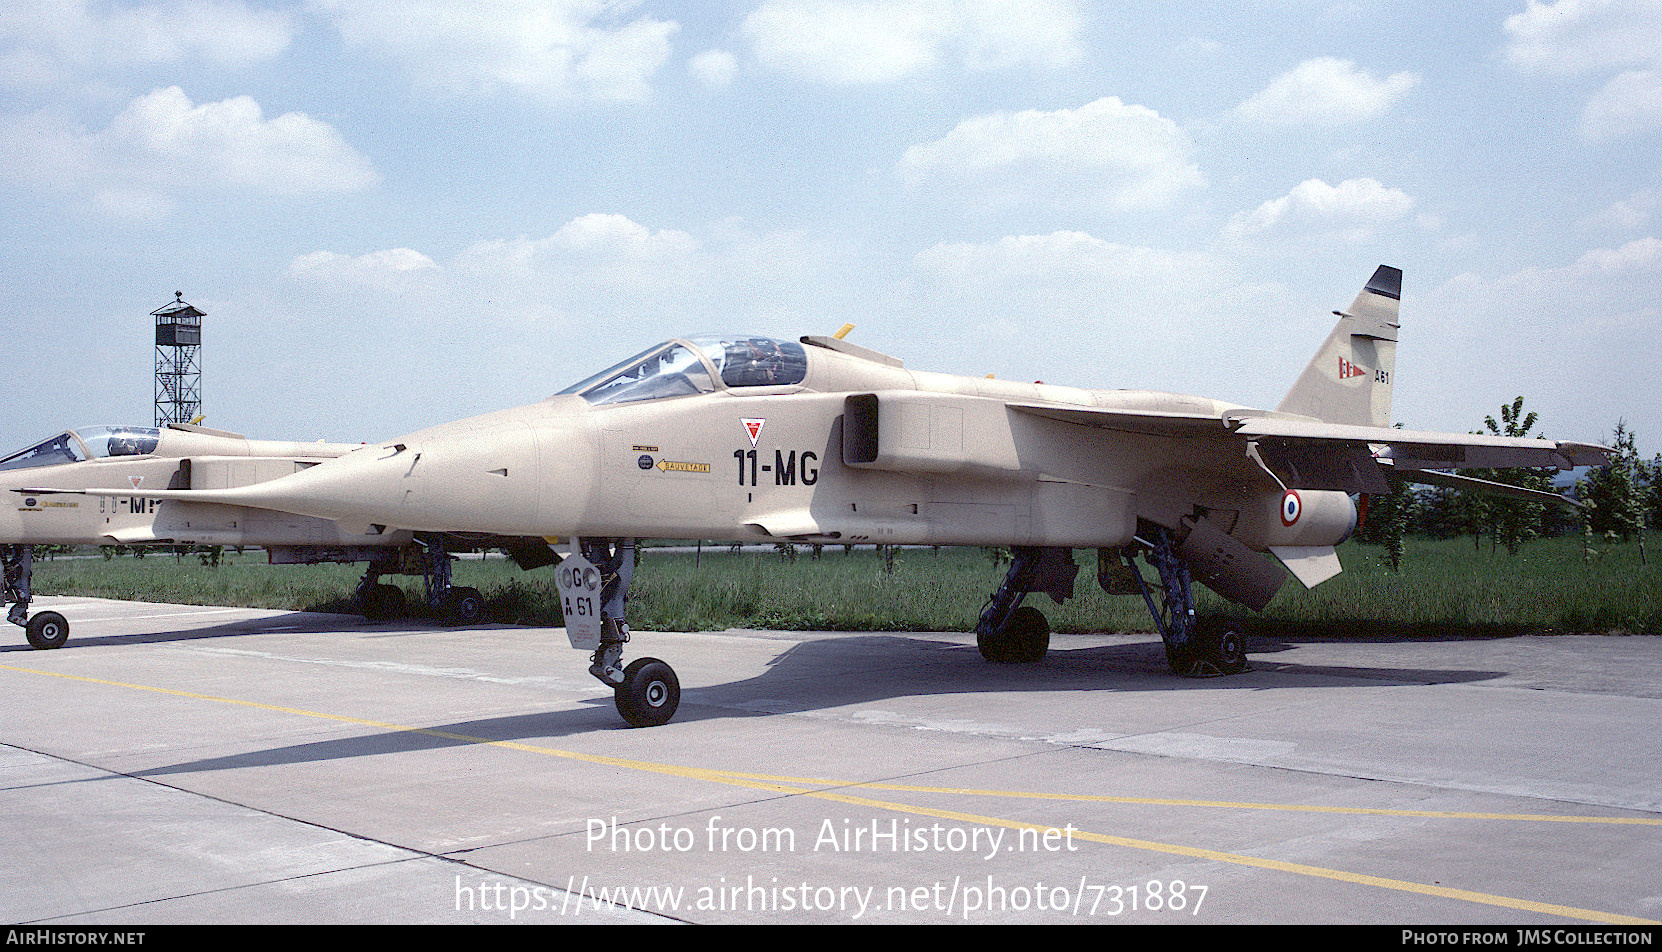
x=1446 y=588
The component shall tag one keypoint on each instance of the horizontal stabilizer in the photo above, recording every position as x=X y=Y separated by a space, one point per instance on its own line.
x=1473 y=484
x=1414 y=449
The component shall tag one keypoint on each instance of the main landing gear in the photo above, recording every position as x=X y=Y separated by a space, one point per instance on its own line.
x=1009 y=632
x=454 y=604
x=45 y=629
x=1194 y=648
x=646 y=692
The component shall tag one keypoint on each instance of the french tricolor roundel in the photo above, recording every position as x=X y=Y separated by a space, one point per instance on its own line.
x=1291 y=507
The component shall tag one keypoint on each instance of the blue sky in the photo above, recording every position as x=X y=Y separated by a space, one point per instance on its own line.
x=397 y=214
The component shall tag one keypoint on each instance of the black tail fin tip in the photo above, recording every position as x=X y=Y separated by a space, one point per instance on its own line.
x=1387 y=281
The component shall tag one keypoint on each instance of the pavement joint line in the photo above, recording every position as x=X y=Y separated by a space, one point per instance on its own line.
x=1219 y=804
x=413 y=854
x=804 y=787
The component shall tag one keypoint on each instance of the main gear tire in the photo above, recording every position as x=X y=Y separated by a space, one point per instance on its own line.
x=1024 y=639
x=384 y=602
x=1215 y=650
x=464 y=606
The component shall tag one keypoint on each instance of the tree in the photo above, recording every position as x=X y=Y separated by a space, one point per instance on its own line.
x=1653 y=493
x=1512 y=522
x=1388 y=519
x=1615 y=494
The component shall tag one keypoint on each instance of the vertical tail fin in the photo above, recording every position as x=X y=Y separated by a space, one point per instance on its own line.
x=1349 y=380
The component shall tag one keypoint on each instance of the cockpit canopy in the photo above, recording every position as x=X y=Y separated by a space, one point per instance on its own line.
x=84 y=443
x=695 y=365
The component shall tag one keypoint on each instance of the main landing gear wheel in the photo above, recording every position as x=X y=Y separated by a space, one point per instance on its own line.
x=383 y=602
x=1009 y=632
x=1214 y=650
x=1024 y=638
x=1195 y=647
x=649 y=694
x=464 y=606
x=47 y=630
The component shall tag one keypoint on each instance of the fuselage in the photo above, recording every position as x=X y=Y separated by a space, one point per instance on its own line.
x=690 y=448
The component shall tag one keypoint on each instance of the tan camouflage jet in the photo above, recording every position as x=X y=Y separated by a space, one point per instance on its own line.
x=97 y=486
x=821 y=441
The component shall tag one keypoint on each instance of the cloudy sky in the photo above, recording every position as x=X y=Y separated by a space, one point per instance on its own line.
x=397 y=214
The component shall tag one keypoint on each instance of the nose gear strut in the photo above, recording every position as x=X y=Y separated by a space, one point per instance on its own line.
x=646 y=692
x=1011 y=633
x=45 y=629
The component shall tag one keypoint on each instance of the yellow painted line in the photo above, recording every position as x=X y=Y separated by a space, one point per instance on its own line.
x=797 y=788
x=1239 y=859
x=1217 y=804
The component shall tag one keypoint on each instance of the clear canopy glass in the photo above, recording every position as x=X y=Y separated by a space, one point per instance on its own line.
x=696 y=365
x=84 y=443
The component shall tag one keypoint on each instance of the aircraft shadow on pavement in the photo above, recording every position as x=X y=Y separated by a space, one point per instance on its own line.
x=292 y=622
x=825 y=673
x=852 y=669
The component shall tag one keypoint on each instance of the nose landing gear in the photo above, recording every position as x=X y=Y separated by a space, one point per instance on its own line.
x=46 y=629
x=646 y=692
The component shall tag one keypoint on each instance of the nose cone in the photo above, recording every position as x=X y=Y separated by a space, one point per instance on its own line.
x=484 y=475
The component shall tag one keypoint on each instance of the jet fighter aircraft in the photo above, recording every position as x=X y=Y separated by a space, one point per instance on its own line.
x=745 y=438
x=49 y=504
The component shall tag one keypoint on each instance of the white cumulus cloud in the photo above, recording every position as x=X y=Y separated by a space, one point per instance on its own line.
x=1325 y=91
x=1353 y=208
x=556 y=50
x=378 y=269
x=49 y=40
x=714 y=68
x=850 y=42
x=162 y=145
x=1574 y=37
x=1058 y=256
x=1105 y=153
x=1640 y=256
x=1629 y=103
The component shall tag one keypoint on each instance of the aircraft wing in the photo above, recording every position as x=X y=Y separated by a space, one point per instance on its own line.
x=1309 y=454
x=1152 y=422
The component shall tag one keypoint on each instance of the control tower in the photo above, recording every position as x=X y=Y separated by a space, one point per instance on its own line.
x=178 y=361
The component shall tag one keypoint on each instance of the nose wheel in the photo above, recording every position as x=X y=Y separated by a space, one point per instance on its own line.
x=45 y=629
x=649 y=694
x=1009 y=632
x=594 y=585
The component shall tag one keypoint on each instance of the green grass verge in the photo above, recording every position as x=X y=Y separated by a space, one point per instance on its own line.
x=1446 y=588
